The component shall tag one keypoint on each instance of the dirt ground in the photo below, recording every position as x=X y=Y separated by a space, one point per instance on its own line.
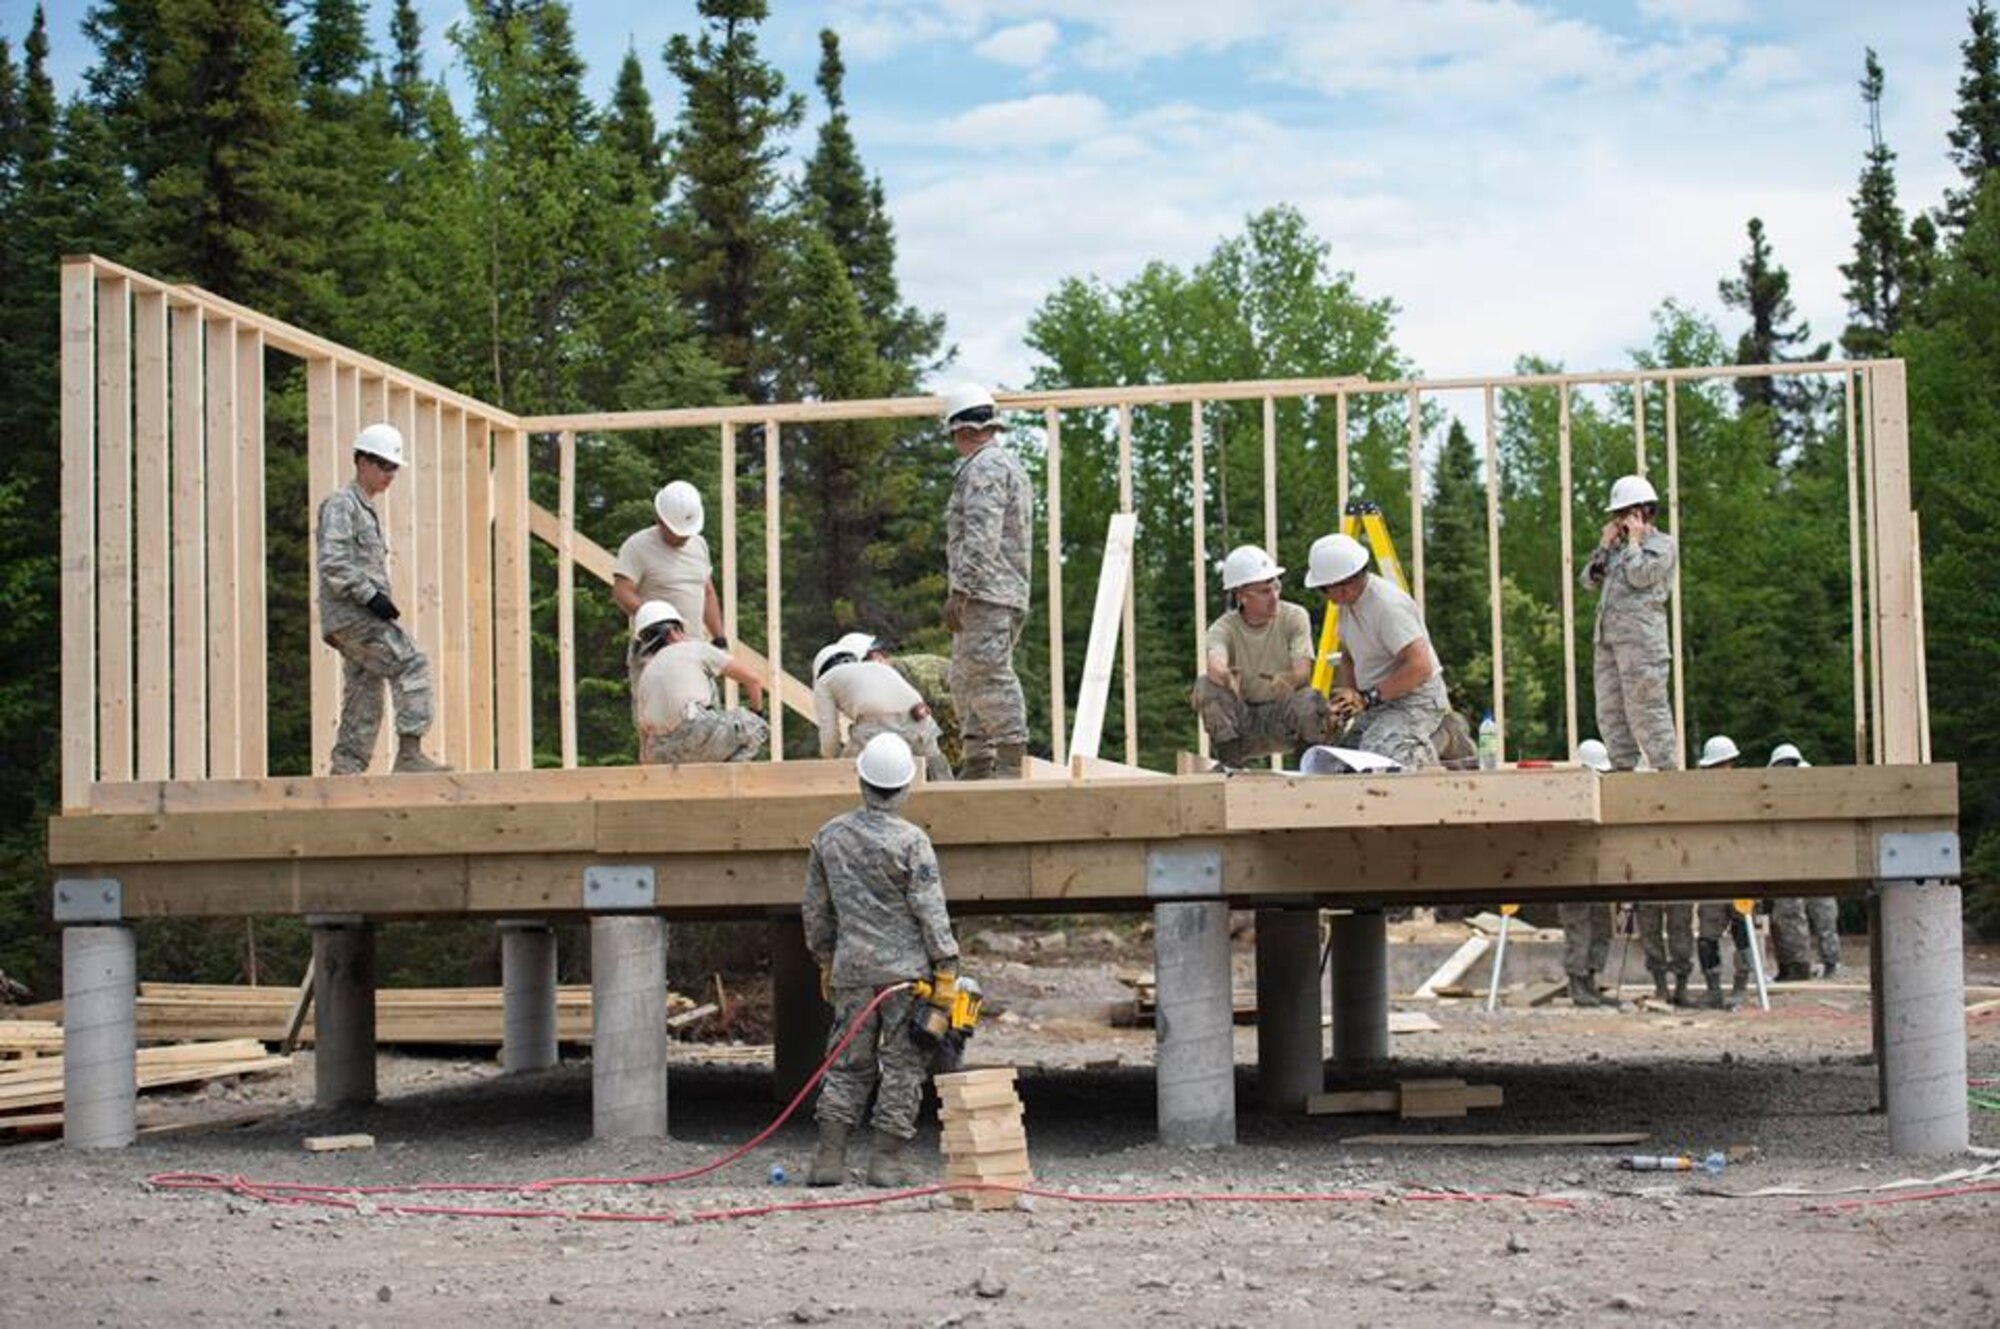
x=1409 y=1233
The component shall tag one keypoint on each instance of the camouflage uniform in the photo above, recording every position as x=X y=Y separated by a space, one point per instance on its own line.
x=707 y=735
x=1797 y=924
x=1713 y=918
x=353 y=565
x=930 y=675
x=874 y=916
x=922 y=736
x=1241 y=730
x=1632 y=654
x=1667 y=933
x=1586 y=938
x=988 y=525
x=1401 y=730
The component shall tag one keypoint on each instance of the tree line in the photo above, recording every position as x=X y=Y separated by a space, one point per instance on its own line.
x=531 y=247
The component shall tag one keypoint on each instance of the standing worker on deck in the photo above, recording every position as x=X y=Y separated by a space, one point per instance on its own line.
x=675 y=706
x=988 y=526
x=1715 y=917
x=874 y=918
x=1632 y=653
x=1389 y=682
x=1252 y=698
x=358 y=619
x=1587 y=925
x=669 y=561
x=1799 y=926
x=853 y=679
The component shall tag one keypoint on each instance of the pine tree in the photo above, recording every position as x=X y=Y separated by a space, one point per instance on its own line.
x=1455 y=591
x=10 y=122
x=632 y=132
x=1920 y=266
x=729 y=139
x=1763 y=291
x=335 y=48
x=849 y=205
x=1875 y=277
x=1975 y=134
x=408 y=91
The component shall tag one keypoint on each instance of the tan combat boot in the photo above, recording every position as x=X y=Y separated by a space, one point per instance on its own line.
x=410 y=758
x=829 y=1165
x=885 y=1164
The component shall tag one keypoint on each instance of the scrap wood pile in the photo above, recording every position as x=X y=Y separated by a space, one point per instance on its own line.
x=403 y=1016
x=31 y=1070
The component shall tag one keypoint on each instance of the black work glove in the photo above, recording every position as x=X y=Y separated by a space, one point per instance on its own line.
x=721 y=642
x=384 y=608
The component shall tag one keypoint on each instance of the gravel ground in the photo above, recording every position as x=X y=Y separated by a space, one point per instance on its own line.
x=1566 y=1237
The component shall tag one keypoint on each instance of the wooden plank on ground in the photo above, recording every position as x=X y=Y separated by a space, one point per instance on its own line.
x=1444 y=1098
x=1343 y=1101
x=328 y=1144
x=1485 y=1141
x=1455 y=966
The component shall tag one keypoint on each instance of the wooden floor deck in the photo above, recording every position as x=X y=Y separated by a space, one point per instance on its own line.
x=730 y=840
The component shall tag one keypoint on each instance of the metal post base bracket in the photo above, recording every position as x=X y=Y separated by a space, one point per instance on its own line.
x=617 y=889
x=89 y=900
x=1917 y=856
x=1184 y=872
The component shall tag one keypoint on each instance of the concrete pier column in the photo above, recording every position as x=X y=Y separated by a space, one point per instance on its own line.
x=1290 y=1060
x=1194 y=1025
x=628 y=1027
x=799 y=1015
x=1360 y=989
x=100 y=1043
x=1874 y=902
x=343 y=1012
x=527 y=995
x=1923 y=1017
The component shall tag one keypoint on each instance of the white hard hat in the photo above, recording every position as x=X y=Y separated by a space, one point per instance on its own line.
x=886 y=762
x=383 y=441
x=853 y=646
x=654 y=612
x=1717 y=750
x=1629 y=491
x=679 y=506
x=1787 y=754
x=1334 y=558
x=1593 y=754
x=969 y=406
x=1247 y=565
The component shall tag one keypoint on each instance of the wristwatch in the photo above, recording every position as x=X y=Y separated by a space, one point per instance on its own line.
x=1372 y=697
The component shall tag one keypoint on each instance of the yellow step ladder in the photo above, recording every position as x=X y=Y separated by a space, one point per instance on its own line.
x=1363 y=521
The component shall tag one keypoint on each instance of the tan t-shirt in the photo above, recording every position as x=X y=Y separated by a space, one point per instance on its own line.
x=1377 y=626
x=1260 y=656
x=677 y=677
x=864 y=690
x=662 y=572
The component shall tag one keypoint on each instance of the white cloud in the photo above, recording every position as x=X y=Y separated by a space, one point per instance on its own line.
x=1696 y=13
x=1025 y=44
x=1039 y=121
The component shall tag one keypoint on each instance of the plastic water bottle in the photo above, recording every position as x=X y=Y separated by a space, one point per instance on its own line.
x=1712 y=1164
x=777 y=1174
x=1489 y=744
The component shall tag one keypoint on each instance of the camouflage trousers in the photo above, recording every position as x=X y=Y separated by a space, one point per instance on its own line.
x=992 y=712
x=1400 y=730
x=1667 y=933
x=374 y=656
x=922 y=736
x=1712 y=919
x=883 y=1060
x=1241 y=730
x=707 y=735
x=1635 y=706
x=1586 y=937
x=1797 y=925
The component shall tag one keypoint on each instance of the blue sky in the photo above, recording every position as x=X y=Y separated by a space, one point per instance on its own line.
x=1519 y=176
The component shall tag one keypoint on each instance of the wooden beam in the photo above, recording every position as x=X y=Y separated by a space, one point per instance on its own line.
x=566 y=594
x=1340 y=450
x=725 y=479
x=322 y=478
x=253 y=721
x=774 y=591
x=1128 y=631
x=190 y=546
x=1568 y=537
x=1198 y=523
x=1113 y=577
x=1270 y=473
x=1417 y=499
x=1058 y=683
x=1496 y=632
x=1674 y=596
x=152 y=537
x=225 y=658
x=1900 y=719
x=1856 y=620
x=454 y=581
x=514 y=748
x=426 y=558
x=79 y=533
x=1807 y=793
x=479 y=592
x=114 y=529
x=1415 y=798
x=1874 y=554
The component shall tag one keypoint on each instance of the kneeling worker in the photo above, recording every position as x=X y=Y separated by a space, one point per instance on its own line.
x=853 y=678
x=874 y=918
x=677 y=712
x=1253 y=698
x=1389 y=679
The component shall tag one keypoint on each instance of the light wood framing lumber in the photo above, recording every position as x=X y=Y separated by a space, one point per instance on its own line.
x=1416 y=463
x=225 y=695
x=773 y=590
x=1496 y=636
x=454 y=589
x=1114 y=578
x=190 y=546
x=1674 y=595
x=1052 y=467
x=79 y=532
x=1198 y=489
x=513 y=718
x=479 y=535
x=252 y=725
x=1567 y=527
x=1898 y=718
x=566 y=593
x=114 y=528
x=725 y=480
x=1128 y=633
x=1857 y=623
x=152 y=545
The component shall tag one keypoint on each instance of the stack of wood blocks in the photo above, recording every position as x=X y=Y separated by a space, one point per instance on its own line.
x=983 y=1138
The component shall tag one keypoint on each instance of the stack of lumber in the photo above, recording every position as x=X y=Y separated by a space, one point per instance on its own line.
x=983 y=1139
x=1410 y=1099
x=31 y=1092
x=25 y=1040
x=407 y=1016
